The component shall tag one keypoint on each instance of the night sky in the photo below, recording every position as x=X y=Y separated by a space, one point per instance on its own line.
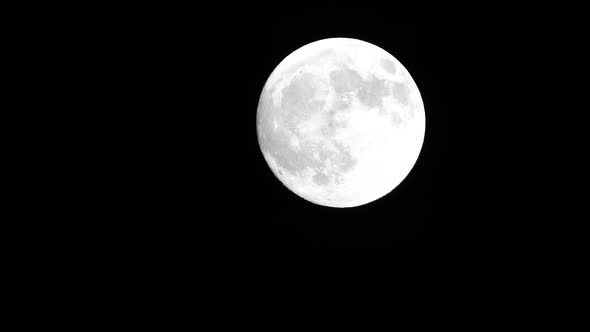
x=131 y=157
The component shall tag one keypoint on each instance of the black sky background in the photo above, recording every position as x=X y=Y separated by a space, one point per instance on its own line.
x=132 y=161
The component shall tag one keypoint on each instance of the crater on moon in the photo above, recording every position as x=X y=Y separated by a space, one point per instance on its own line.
x=372 y=92
x=388 y=65
x=400 y=92
x=345 y=80
x=337 y=130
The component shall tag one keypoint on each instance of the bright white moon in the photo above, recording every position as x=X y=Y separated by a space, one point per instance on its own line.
x=340 y=122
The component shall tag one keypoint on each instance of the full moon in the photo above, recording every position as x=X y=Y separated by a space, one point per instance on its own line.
x=340 y=122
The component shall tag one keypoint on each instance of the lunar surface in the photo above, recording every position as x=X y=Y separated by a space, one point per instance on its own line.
x=340 y=122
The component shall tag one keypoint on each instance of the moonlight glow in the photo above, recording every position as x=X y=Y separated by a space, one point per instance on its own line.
x=340 y=122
